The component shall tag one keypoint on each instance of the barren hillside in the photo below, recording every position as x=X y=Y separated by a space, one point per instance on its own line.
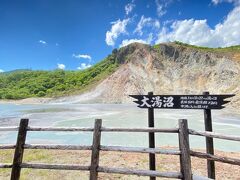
x=168 y=68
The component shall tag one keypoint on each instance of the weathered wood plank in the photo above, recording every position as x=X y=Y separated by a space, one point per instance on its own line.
x=140 y=150
x=5 y=165
x=95 y=150
x=140 y=172
x=57 y=146
x=209 y=140
x=215 y=158
x=214 y=135
x=185 y=158
x=59 y=129
x=55 y=166
x=19 y=150
x=157 y=130
x=105 y=129
x=9 y=128
x=151 y=139
x=7 y=146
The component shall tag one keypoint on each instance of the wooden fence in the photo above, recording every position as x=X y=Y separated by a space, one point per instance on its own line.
x=184 y=151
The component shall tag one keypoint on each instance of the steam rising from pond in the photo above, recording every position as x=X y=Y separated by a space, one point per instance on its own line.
x=114 y=115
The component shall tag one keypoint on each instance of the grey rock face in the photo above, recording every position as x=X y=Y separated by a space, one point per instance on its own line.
x=169 y=69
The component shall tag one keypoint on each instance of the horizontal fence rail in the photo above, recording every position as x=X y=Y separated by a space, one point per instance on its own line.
x=104 y=129
x=57 y=146
x=7 y=146
x=140 y=172
x=5 y=165
x=9 y=128
x=184 y=152
x=140 y=150
x=59 y=129
x=214 y=135
x=155 y=130
x=215 y=158
x=55 y=166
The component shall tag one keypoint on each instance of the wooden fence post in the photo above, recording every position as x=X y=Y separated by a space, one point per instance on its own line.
x=151 y=137
x=95 y=149
x=18 y=155
x=209 y=141
x=185 y=158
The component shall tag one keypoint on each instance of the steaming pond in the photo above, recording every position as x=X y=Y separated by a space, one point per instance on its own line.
x=114 y=115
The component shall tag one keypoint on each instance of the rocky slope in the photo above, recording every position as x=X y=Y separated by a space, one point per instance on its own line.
x=167 y=68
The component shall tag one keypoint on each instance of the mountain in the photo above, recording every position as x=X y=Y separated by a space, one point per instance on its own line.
x=22 y=84
x=16 y=71
x=168 y=68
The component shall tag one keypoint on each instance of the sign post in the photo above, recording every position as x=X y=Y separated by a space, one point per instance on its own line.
x=151 y=139
x=181 y=101
x=205 y=102
x=209 y=141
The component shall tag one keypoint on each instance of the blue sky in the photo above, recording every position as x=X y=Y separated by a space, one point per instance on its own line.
x=75 y=34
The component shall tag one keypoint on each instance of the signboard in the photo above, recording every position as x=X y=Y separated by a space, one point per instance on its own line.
x=182 y=101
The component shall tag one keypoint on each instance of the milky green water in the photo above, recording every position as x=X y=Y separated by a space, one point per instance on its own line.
x=113 y=115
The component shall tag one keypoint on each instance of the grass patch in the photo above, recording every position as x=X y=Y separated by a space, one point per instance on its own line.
x=219 y=49
x=230 y=49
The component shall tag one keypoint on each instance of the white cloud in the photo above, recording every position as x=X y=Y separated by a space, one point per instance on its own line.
x=161 y=6
x=129 y=7
x=163 y=36
x=157 y=24
x=61 y=66
x=141 y=24
x=118 y=27
x=84 y=56
x=148 y=40
x=42 y=42
x=1 y=71
x=160 y=9
x=216 y=2
x=198 y=32
x=146 y=22
x=126 y=42
x=84 y=66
